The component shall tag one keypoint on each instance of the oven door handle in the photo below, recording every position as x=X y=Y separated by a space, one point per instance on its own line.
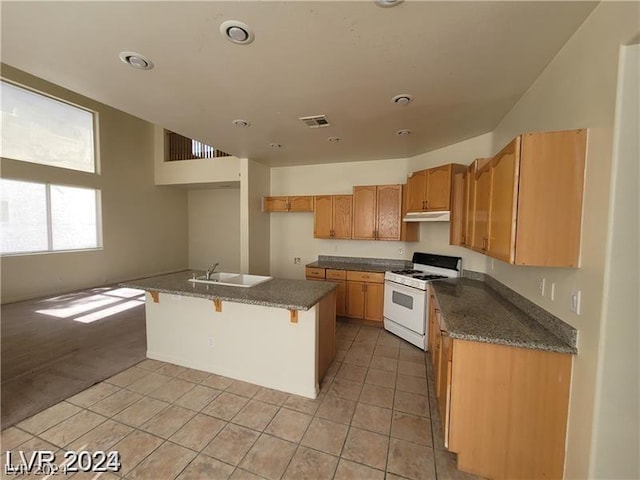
x=402 y=288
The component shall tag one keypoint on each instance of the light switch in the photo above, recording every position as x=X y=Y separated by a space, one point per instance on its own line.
x=575 y=301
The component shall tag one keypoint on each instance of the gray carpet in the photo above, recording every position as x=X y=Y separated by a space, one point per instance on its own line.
x=53 y=348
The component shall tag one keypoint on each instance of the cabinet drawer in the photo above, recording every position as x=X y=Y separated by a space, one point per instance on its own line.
x=370 y=277
x=314 y=272
x=336 y=274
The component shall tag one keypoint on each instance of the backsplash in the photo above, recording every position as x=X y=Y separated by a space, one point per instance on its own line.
x=392 y=264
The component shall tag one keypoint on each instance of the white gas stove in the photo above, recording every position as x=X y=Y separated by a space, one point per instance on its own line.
x=406 y=302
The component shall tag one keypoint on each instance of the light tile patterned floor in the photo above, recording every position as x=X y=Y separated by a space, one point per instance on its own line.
x=375 y=418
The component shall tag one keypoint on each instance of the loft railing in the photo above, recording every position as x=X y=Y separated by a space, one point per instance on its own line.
x=184 y=148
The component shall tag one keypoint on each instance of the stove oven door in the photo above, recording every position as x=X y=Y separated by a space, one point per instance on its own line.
x=405 y=306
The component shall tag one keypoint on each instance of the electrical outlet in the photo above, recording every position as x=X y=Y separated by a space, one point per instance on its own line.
x=575 y=301
x=541 y=286
x=296 y=260
x=210 y=341
x=552 y=291
x=400 y=251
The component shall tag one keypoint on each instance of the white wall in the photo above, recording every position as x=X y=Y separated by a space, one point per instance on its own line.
x=254 y=223
x=616 y=443
x=184 y=172
x=214 y=229
x=576 y=90
x=144 y=226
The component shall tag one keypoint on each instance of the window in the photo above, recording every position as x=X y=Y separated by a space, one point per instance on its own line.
x=41 y=217
x=39 y=129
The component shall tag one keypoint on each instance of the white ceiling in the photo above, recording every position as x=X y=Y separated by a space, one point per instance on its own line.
x=466 y=64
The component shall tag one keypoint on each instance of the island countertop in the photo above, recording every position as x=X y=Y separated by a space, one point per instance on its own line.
x=277 y=292
x=472 y=310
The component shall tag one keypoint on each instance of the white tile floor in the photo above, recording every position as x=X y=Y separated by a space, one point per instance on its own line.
x=375 y=418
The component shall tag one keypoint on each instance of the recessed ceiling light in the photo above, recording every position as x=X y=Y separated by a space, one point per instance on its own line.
x=334 y=139
x=237 y=32
x=388 y=3
x=241 y=123
x=275 y=145
x=136 y=60
x=404 y=132
x=402 y=99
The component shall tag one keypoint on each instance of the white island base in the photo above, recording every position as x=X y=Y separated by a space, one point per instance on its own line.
x=267 y=346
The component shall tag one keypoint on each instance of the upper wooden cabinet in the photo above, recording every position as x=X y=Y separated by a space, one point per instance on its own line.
x=332 y=216
x=528 y=200
x=377 y=212
x=430 y=190
x=303 y=203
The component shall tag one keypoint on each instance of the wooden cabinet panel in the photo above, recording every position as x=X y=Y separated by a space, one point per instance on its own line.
x=365 y=295
x=502 y=218
x=336 y=274
x=377 y=212
x=355 y=299
x=373 y=300
x=275 y=204
x=313 y=272
x=482 y=205
x=439 y=188
x=469 y=218
x=430 y=190
x=332 y=216
x=303 y=203
x=364 y=212
x=528 y=200
x=510 y=420
x=433 y=308
x=458 y=210
x=550 y=198
x=322 y=216
x=341 y=298
x=389 y=207
x=342 y=216
x=368 y=277
x=417 y=191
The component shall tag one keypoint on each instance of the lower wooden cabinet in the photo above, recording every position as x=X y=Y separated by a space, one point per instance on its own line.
x=339 y=277
x=503 y=409
x=365 y=295
x=359 y=294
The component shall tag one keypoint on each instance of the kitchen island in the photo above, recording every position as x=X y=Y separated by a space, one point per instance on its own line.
x=279 y=334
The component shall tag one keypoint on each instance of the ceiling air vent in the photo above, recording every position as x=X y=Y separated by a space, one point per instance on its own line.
x=316 y=121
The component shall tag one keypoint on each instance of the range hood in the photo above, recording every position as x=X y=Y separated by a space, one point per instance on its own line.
x=440 y=216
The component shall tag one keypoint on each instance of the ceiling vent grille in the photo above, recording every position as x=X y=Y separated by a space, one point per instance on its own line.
x=316 y=121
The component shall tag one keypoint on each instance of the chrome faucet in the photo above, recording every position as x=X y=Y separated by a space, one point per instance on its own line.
x=210 y=270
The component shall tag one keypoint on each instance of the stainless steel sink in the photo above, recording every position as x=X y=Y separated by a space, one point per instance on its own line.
x=231 y=279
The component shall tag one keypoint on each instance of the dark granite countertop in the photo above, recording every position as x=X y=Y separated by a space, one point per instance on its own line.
x=473 y=311
x=277 y=292
x=359 y=264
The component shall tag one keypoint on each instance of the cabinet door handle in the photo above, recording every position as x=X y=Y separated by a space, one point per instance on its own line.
x=426 y=204
x=288 y=205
